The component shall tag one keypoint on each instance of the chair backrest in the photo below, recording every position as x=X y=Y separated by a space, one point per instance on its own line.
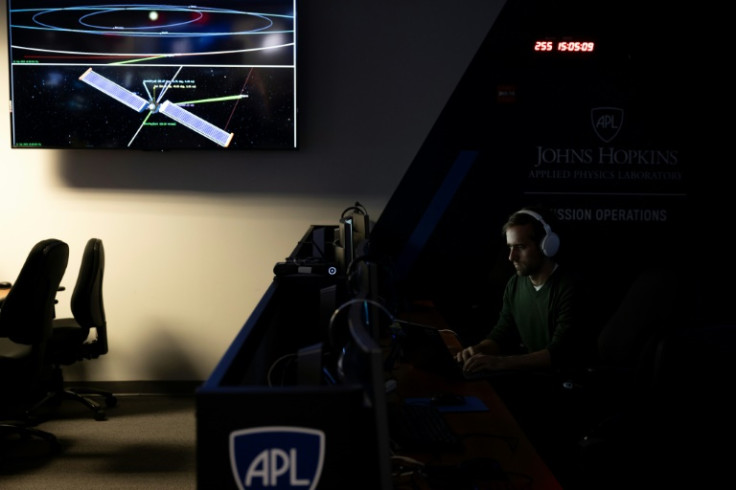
x=652 y=307
x=26 y=319
x=28 y=310
x=87 y=304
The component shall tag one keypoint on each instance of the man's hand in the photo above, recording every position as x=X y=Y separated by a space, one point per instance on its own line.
x=485 y=346
x=482 y=356
x=484 y=362
x=475 y=360
x=466 y=354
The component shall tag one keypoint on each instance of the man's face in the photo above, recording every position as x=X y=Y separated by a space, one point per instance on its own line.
x=523 y=251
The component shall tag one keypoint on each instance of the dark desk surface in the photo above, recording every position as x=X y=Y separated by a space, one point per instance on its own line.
x=493 y=434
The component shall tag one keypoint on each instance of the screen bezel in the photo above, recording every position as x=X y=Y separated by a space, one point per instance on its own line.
x=42 y=118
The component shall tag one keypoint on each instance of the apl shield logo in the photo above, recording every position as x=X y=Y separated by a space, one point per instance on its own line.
x=277 y=457
x=607 y=122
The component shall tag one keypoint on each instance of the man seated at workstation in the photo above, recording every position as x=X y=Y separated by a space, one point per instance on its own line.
x=542 y=327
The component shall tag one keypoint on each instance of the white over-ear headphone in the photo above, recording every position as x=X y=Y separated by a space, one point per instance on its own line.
x=550 y=244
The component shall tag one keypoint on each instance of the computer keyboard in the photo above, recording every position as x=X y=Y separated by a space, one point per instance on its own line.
x=421 y=428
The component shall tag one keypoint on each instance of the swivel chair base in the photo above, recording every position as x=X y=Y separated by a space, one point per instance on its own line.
x=58 y=393
x=56 y=397
x=10 y=428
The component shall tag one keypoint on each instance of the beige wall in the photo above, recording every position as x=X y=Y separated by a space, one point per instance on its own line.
x=191 y=238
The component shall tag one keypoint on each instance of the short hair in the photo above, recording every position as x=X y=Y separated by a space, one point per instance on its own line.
x=519 y=218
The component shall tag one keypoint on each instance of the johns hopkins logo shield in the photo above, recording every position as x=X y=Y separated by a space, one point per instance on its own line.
x=277 y=457
x=607 y=122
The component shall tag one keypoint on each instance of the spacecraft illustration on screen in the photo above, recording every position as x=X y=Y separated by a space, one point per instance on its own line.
x=167 y=108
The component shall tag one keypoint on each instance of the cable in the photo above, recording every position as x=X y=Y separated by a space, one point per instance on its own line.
x=290 y=356
x=330 y=326
x=349 y=271
x=405 y=471
x=449 y=330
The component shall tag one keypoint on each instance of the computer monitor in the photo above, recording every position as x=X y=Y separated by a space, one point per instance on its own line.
x=354 y=359
x=362 y=363
x=352 y=234
x=344 y=245
x=361 y=221
x=164 y=75
x=371 y=279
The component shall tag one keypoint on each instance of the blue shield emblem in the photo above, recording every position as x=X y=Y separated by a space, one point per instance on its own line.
x=277 y=457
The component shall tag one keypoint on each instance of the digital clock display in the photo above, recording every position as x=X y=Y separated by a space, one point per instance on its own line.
x=564 y=46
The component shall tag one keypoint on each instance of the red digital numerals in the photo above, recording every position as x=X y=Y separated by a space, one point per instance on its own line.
x=564 y=46
x=576 y=46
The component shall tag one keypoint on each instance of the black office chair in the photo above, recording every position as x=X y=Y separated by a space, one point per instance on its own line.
x=692 y=416
x=612 y=403
x=82 y=337
x=25 y=327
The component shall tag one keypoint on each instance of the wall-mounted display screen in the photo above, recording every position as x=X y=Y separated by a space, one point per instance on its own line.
x=218 y=74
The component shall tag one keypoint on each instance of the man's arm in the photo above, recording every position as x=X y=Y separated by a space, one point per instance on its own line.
x=522 y=362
